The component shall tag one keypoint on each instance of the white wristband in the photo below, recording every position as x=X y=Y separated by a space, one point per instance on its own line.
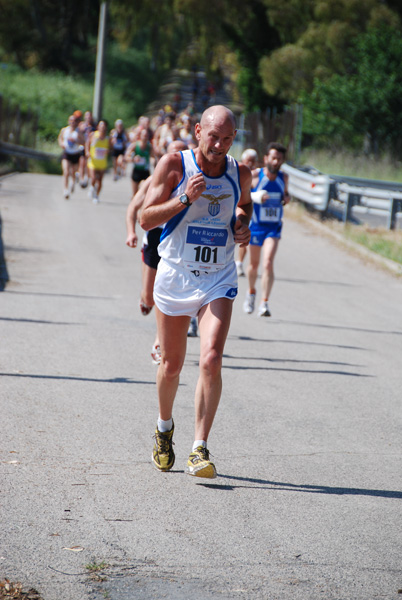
x=258 y=196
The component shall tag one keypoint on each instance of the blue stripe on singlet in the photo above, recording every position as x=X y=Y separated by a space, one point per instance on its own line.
x=235 y=196
x=172 y=223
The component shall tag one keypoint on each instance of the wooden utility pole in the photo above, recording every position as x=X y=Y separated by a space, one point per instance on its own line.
x=100 y=60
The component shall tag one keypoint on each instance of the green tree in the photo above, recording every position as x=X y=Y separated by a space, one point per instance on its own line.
x=44 y=33
x=317 y=41
x=207 y=34
x=365 y=102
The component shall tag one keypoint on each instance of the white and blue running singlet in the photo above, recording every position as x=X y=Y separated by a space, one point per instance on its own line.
x=267 y=217
x=201 y=237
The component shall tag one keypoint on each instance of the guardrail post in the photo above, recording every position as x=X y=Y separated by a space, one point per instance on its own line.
x=396 y=206
x=352 y=200
x=3 y=266
x=2 y=117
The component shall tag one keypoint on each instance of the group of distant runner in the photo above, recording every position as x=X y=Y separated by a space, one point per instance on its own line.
x=87 y=145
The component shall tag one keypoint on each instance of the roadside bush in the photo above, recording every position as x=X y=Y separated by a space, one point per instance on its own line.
x=129 y=87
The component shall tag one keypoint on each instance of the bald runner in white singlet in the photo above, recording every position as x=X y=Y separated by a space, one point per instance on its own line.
x=203 y=197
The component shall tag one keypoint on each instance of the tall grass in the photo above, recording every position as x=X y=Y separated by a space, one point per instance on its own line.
x=130 y=85
x=383 y=242
x=352 y=165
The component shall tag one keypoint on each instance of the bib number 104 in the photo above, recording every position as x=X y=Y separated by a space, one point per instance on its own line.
x=206 y=254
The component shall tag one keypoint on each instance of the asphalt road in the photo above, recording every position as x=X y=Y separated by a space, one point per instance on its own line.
x=307 y=439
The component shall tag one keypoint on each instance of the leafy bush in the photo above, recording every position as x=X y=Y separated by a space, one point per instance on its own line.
x=129 y=86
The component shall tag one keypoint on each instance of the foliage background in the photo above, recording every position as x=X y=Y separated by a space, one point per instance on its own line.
x=339 y=58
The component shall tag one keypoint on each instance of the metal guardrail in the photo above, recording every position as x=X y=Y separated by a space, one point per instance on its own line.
x=373 y=200
x=369 y=183
x=3 y=266
x=310 y=187
x=372 y=196
x=23 y=152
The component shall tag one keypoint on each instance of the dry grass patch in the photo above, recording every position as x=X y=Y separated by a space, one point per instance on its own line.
x=14 y=591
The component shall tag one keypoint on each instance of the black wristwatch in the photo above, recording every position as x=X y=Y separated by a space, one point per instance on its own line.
x=184 y=200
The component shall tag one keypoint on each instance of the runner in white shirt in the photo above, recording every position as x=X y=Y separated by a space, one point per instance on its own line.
x=72 y=142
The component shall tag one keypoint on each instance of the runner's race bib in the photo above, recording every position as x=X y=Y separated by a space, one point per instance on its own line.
x=270 y=214
x=205 y=248
x=100 y=153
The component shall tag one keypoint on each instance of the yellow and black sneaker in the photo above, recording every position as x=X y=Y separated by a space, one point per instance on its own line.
x=198 y=464
x=163 y=455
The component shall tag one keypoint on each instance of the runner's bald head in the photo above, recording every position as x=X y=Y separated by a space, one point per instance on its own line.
x=217 y=114
x=175 y=146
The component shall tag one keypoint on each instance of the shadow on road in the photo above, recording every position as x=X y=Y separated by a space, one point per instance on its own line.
x=342 y=327
x=317 y=282
x=292 y=487
x=292 y=370
x=295 y=342
x=73 y=378
x=326 y=326
x=38 y=321
x=52 y=294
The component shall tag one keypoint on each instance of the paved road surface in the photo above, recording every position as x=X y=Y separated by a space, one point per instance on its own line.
x=307 y=439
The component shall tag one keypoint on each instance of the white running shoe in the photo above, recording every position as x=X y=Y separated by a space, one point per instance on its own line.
x=66 y=194
x=95 y=198
x=239 y=268
x=249 y=303
x=263 y=310
x=156 y=354
x=91 y=192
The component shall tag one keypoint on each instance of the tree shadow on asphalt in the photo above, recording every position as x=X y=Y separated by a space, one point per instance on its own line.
x=325 y=326
x=244 y=338
x=59 y=295
x=292 y=360
x=292 y=487
x=266 y=367
x=76 y=378
x=292 y=370
x=38 y=321
x=318 y=282
x=342 y=327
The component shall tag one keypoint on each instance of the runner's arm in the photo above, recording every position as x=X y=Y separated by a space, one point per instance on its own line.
x=129 y=151
x=244 y=209
x=286 y=196
x=158 y=206
x=60 y=139
x=132 y=212
x=88 y=145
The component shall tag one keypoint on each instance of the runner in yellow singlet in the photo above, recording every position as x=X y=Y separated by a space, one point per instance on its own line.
x=97 y=150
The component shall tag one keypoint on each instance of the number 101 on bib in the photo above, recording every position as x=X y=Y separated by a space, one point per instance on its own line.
x=205 y=248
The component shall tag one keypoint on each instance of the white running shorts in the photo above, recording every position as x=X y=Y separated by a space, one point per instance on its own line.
x=180 y=292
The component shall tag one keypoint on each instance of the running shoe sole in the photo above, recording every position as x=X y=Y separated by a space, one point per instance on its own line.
x=207 y=471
